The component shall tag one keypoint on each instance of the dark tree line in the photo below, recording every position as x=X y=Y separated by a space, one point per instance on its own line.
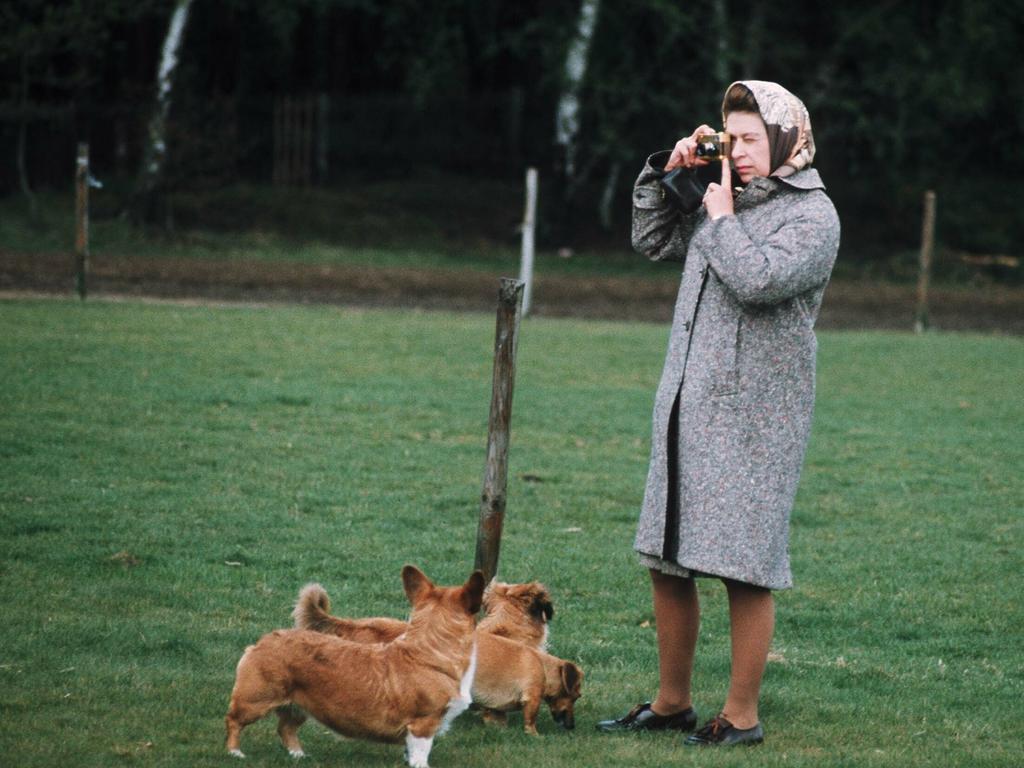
x=904 y=96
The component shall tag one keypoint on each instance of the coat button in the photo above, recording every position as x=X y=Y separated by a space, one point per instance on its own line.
x=686 y=326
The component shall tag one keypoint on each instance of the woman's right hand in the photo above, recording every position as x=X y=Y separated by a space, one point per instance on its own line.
x=685 y=151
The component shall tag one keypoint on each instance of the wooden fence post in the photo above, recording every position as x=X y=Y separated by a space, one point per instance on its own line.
x=81 y=218
x=529 y=225
x=492 y=500
x=921 y=320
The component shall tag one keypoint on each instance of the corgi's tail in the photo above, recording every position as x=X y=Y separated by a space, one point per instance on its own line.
x=313 y=609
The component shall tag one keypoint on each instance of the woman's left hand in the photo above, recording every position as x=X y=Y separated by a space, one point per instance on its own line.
x=718 y=198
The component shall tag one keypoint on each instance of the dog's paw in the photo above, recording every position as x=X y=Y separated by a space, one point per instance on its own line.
x=417 y=751
x=492 y=717
x=298 y=754
x=237 y=753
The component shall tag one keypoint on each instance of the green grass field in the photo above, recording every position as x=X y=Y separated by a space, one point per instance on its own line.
x=171 y=475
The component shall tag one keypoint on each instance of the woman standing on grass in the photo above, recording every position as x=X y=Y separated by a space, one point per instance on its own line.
x=733 y=409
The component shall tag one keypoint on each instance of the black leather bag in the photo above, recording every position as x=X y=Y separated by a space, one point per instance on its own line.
x=685 y=187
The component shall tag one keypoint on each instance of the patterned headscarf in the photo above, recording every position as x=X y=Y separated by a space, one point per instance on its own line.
x=789 y=125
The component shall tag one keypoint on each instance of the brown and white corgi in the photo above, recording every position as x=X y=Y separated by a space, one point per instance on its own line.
x=411 y=688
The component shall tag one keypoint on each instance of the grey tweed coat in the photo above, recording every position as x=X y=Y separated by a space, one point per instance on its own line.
x=741 y=361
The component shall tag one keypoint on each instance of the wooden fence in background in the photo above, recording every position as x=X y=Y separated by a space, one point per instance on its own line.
x=300 y=140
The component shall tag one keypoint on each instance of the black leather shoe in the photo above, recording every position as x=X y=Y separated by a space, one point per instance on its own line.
x=719 y=732
x=643 y=718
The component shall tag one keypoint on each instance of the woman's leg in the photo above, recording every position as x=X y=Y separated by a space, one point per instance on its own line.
x=677 y=619
x=752 y=623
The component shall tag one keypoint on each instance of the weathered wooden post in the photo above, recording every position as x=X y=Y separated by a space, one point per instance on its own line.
x=81 y=218
x=492 y=500
x=921 y=320
x=528 y=227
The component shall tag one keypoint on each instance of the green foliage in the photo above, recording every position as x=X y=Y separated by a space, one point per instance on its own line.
x=173 y=475
x=903 y=96
x=36 y=34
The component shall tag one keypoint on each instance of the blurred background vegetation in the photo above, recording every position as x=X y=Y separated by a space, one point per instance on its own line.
x=427 y=97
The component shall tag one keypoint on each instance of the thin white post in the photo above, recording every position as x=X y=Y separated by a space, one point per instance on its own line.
x=528 y=228
x=81 y=219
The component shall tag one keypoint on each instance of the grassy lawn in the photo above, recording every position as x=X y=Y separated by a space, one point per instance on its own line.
x=170 y=477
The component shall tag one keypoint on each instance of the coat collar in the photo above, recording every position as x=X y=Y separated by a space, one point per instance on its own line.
x=761 y=187
x=808 y=178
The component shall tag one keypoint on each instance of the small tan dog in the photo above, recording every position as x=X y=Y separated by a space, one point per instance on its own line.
x=411 y=688
x=510 y=675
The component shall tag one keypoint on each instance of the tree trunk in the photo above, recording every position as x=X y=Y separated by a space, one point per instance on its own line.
x=147 y=203
x=567 y=123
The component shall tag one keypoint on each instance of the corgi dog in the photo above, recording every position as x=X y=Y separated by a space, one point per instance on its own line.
x=411 y=688
x=510 y=674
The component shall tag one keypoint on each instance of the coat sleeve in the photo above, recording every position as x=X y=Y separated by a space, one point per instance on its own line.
x=795 y=258
x=660 y=232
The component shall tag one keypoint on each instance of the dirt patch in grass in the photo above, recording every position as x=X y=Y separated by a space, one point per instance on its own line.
x=848 y=304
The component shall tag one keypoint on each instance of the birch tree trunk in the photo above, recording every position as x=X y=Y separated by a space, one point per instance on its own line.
x=155 y=154
x=567 y=123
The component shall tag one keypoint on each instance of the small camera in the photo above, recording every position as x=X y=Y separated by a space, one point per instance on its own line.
x=713 y=146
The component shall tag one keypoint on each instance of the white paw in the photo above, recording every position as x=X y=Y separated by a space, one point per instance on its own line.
x=236 y=753
x=296 y=753
x=417 y=751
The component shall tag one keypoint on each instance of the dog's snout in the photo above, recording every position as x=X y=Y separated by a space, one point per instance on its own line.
x=565 y=719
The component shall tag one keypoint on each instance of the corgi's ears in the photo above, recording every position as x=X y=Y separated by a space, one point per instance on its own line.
x=415 y=583
x=473 y=592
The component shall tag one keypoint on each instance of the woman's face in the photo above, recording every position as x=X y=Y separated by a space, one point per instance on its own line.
x=750 y=153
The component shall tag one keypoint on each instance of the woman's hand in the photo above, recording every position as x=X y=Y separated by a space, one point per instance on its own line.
x=685 y=151
x=718 y=198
